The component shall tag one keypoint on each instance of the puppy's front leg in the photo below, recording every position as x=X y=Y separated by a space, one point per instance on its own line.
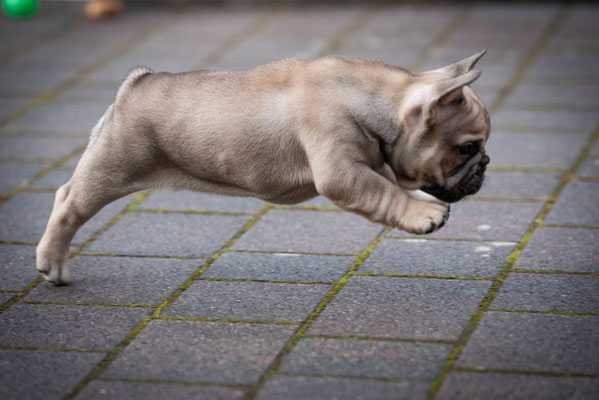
x=354 y=186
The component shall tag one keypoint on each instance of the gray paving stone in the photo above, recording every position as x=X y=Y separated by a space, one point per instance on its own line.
x=577 y=122
x=31 y=83
x=156 y=391
x=177 y=49
x=589 y=167
x=486 y=220
x=43 y=375
x=43 y=148
x=595 y=149
x=257 y=301
x=164 y=59
x=53 y=179
x=5 y=296
x=365 y=358
x=68 y=327
x=117 y=280
x=518 y=185
x=445 y=258
x=501 y=56
x=572 y=95
x=505 y=14
x=49 y=18
x=489 y=386
x=183 y=235
x=300 y=388
x=401 y=308
x=534 y=150
x=10 y=105
x=73 y=161
x=201 y=351
x=577 y=205
x=279 y=267
x=561 y=249
x=309 y=231
x=94 y=91
x=13 y=175
x=389 y=56
x=549 y=66
x=25 y=217
x=17 y=266
x=318 y=201
x=170 y=200
x=549 y=292
x=55 y=117
x=56 y=55
x=213 y=24
x=534 y=342
x=288 y=28
x=584 y=15
x=494 y=74
x=101 y=218
x=487 y=94
x=416 y=26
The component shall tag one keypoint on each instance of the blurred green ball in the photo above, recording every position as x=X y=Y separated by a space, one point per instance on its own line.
x=20 y=8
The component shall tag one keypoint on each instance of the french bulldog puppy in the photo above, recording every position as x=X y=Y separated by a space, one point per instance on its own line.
x=364 y=134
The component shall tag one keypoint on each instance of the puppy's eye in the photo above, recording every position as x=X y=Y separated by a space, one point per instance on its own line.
x=458 y=101
x=466 y=150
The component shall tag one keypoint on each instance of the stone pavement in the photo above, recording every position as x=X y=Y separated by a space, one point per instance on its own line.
x=194 y=296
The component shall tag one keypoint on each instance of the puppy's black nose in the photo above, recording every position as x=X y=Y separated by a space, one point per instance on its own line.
x=485 y=160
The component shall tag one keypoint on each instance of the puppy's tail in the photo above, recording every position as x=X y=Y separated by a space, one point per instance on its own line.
x=132 y=78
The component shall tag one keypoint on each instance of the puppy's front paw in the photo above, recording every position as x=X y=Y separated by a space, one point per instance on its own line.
x=52 y=266
x=422 y=217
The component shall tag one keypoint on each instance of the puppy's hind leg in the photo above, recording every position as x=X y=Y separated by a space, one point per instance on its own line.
x=73 y=206
x=93 y=185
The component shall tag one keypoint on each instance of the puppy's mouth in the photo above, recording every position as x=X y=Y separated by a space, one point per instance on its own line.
x=468 y=185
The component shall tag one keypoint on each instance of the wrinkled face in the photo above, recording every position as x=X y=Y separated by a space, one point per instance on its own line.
x=443 y=153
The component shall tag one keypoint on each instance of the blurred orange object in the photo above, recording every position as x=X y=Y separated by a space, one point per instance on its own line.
x=98 y=9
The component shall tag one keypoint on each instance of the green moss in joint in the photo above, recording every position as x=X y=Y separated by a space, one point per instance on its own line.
x=266 y=281
x=307 y=253
x=62 y=350
x=570 y=226
x=542 y=312
x=527 y=372
x=507 y=168
x=379 y=339
x=352 y=377
x=64 y=303
x=18 y=242
x=230 y=320
x=291 y=343
x=21 y=293
x=557 y=272
x=167 y=382
x=201 y=212
x=424 y=276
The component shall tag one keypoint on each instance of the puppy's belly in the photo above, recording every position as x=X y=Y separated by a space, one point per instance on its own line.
x=294 y=196
x=276 y=192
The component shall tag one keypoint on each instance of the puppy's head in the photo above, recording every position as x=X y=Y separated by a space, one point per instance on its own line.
x=445 y=126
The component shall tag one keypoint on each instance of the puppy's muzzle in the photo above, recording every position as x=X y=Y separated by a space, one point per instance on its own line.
x=469 y=184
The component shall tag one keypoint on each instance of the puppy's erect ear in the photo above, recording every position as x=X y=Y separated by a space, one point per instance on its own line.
x=426 y=100
x=462 y=66
x=442 y=93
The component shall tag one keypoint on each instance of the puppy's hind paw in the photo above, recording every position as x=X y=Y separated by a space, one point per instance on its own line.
x=53 y=269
